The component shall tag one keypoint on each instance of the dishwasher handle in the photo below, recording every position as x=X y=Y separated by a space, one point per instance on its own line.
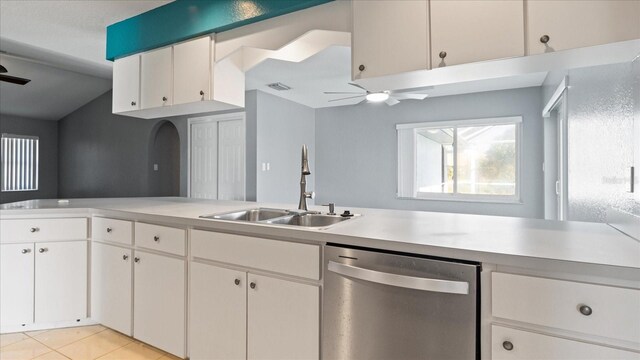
x=409 y=282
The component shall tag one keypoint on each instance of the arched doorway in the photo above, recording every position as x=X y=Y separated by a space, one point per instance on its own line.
x=164 y=160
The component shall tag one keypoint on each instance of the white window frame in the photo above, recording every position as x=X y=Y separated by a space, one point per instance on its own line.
x=407 y=165
x=26 y=177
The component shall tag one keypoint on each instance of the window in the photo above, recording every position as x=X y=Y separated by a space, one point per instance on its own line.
x=19 y=162
x=460 y=160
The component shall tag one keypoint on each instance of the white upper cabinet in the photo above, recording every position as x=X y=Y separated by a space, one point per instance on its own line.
x=568 y=24
x=126 y=84
x=389 y=37
x=192 y=68
x=156 y=77
x=465 y=31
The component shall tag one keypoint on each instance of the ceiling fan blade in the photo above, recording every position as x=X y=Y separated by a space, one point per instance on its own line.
x=358 y=86
x=391 y=101
x=410 y=96
x=342 y=92
x=350 y=97
x=3 y=69
x=13 y=79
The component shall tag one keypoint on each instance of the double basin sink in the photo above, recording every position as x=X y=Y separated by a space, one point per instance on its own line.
x=307 y=219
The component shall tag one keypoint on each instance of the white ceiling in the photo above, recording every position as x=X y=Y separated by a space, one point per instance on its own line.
x=61 y=47
x=330 y=70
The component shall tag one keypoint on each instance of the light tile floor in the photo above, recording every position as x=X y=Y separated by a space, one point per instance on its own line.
x=77 y=343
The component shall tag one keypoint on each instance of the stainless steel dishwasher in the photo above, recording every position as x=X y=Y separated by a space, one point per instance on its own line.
x=380 y=305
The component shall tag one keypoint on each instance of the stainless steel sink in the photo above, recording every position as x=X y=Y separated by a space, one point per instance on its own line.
x=281 y=217
x=253 y=215
x=308 y=220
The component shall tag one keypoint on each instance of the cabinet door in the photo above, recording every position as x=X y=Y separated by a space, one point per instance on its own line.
x=61 y=281
x=218 y=313
x=156 y=77
x=577 y=23
x=191 y=71
x=16 y=284
x=283 y=319
x=159 y=302
x=469 y=31
x=126 y=84
x=389 y=37
x=111 y=284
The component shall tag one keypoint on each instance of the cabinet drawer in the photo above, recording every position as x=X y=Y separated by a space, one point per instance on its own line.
x=273 y=255
x=527 y=345
x=161 y=238
x=33 y=230
x=612 y=312
x=105 y=229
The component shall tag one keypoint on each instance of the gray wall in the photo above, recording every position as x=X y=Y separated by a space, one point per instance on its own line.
x=282 y=128
x=47 y=131
x=106 y=155
x=356 y=150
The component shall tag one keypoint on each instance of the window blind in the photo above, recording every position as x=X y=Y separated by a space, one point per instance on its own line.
x=19 y=162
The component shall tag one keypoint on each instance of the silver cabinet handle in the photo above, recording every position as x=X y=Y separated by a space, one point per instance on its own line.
x=545 y=39
x=585 y=310
x=42 y=250
x=109 y=229
x=26 y=251
x=34 y=229
x=136 y=259
x=125 y=257
x=164 y=98
x=252 y=285
x=442 y=55
x=156 y=238
x=133 y=103
x=507 y=345
x=236 y=281
x=409 y=282
x=201 y=92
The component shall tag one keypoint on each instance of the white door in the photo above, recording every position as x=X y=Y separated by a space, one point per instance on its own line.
x=111 y=284
x=231 y=160
x=16 y=284
x=126 y=84
x=217 y=157
x=283 y=319
x=572 y=24
x=159 y=302
x=389 y=37
x=218 y=313
x=191 y=70
x=61 y=281
x=156 y=76
x=469 y=31
x=204 y=160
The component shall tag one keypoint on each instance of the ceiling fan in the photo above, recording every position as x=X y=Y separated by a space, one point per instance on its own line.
x=11 y=79
x=389 y=97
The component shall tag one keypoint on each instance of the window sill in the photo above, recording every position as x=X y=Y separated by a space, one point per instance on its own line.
x=508 y=201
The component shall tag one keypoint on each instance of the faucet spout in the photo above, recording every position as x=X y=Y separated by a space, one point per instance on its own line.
x=304 y=194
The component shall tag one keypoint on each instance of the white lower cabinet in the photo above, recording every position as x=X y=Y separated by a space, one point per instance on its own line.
x=514 y=344
x=60 y=281
x=16 y=284
x=159 y=302
x=111 y=283
x=239 y=315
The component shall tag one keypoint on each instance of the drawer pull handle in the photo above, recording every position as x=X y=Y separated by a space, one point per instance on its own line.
x=42 y=250
x=442 y=55
x=585 y=310
x=109 y=229
x=507 y=345
x=136 y=259
x=26 y=251
x=34 y=229
x=236 y=281
x=545 y=39
x=156 y=238
x=252 y=285
x=125 y=257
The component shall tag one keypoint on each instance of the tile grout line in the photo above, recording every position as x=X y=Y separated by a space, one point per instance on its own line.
x=56 y=350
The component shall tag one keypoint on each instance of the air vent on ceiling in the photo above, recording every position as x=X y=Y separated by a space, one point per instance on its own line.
x=279 y=86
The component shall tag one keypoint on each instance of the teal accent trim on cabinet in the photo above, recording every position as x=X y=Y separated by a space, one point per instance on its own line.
x=185 y=19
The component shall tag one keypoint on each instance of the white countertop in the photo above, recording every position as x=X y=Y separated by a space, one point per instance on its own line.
x=493 y=239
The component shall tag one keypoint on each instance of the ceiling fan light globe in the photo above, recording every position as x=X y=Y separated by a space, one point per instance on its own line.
x=377 y=97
